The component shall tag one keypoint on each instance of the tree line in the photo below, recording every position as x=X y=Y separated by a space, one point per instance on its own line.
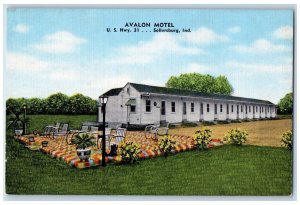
x=57 y=103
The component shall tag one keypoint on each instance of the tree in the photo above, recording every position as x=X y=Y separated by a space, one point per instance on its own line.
x=57 y=104
x=202 y=83
x=35 y=106
x=80 y=104
x=285 y=105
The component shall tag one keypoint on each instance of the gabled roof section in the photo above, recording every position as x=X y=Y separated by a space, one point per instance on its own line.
x=113 y=92
x=172 y=91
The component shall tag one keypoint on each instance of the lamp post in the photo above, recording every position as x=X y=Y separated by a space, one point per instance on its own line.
x=103 y=100
x=24 y=124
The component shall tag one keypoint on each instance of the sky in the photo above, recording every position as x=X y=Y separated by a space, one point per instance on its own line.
x=70 y=51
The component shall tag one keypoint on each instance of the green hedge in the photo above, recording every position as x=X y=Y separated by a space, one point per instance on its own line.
x=57 y=103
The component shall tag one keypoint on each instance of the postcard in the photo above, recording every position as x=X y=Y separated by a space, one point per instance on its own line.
x=149 y=101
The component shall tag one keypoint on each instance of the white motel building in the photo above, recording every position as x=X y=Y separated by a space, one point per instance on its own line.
x=140 y=104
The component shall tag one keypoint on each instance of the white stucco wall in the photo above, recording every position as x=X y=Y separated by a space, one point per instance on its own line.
x=117 y=110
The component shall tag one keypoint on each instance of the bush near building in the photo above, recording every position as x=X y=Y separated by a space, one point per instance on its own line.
x=57 y=103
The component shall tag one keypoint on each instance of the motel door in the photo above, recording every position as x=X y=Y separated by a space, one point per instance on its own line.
x=184 y=118
x=163 y=111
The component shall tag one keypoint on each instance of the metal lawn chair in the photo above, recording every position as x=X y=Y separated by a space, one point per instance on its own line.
x=107 y=138
x=118 y=137
x=62 y=132
x=50 y=129
x=151 y=130
x=156 y=130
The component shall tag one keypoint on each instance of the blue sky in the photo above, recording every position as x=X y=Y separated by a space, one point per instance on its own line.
x=70 y=51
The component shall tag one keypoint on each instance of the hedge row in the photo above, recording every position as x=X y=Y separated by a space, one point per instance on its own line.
x=54 y=104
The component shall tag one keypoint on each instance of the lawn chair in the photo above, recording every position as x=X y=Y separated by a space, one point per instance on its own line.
x=119 y=136
x=151 y=130
x=84 y=128
x=61 y=132
x=163 y=129
x=94 y=129
x=157 y=130
x=107 y=138
x=50 y=129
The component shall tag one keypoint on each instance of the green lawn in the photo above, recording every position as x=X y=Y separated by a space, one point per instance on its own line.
x=37 y=122
x=226 y=170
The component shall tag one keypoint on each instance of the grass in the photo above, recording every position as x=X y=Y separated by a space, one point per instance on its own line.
x=38 y=122
x=226 y=170
x=262 y=133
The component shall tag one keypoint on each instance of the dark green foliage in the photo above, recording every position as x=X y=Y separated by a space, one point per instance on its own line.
x=285 y=105
x=80 y=104
x=202 y=83
x=206 y=123
x=57 y=104
x=15 y=115
x=83 y=141
x=189 y=124
x=54 y=104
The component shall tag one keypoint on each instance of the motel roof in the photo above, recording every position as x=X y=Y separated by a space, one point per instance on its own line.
x=148 y=89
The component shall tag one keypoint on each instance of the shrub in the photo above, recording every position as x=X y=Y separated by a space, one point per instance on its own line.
x=202 y=138
x=129 y=151
x=189 y=124
x=236 y=136
x=206 y=123
x=287 y=139
x=166 y=144
x=83 y=141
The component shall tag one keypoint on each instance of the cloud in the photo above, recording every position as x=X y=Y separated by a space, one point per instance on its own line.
x=204 y=36
x=59 y=42
x=149 y=51
x=284 y=32
x=197 y=68
x=59 y=75
x=261 y=46
x=21 y=28
x=19 y=62
x=261 y=68
x=24 y=62
x=233 y=30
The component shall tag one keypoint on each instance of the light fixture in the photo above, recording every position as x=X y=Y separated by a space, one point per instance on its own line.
x=103 y=99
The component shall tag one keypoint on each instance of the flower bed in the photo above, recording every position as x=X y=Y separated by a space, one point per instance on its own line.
x=59 y=149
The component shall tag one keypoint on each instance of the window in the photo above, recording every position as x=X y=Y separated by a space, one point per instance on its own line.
x=148 y=105
x=173 y=107
x=207 y=108
x=231 y=108
x=227 y=109
x=249 y=108
x=192 y=107
x=268 y=109
x=246 y=109
x=242 y=108
x=216 y=109
x=132 y=108
x=253 y=109
x=128 y=90
x=262 y=109
x=221 y=108
x=163 y=108
x=256 y=108
x=201 y=108
x=237 y=109
x=184 y=108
